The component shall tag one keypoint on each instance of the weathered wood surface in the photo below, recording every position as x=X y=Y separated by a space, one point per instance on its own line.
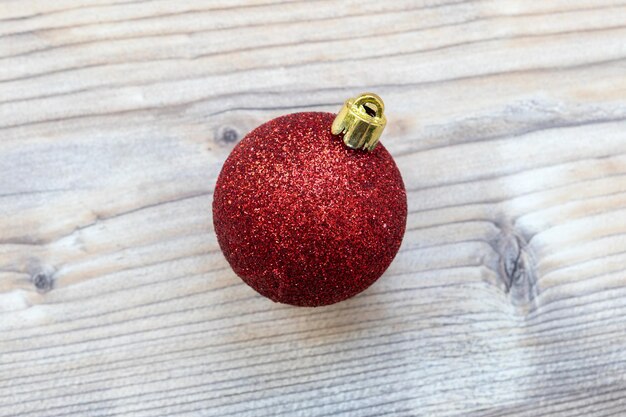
x=507 y=119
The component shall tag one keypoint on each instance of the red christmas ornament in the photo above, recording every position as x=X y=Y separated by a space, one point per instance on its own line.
x=304 y=219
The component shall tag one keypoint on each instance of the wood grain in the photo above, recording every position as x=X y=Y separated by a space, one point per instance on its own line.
x=507 y=119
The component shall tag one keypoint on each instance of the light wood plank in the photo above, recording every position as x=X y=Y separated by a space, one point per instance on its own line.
x=507 y=119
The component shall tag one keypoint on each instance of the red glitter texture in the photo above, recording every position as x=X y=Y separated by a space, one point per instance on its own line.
x=303 y=219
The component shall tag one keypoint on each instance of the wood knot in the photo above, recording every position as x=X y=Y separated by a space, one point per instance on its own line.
x=517 y=269
x=227 y=135
x=41 y=276
x=43 y=281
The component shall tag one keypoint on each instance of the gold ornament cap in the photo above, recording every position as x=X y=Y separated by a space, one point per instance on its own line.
x=362 y=121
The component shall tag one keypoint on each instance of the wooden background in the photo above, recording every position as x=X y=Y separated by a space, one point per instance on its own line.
x=507 y=119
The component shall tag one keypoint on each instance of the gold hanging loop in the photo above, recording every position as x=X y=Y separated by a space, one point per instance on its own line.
x=361 y=120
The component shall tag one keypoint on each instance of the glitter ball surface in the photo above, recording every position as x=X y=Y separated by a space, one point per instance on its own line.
x=303 y=219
